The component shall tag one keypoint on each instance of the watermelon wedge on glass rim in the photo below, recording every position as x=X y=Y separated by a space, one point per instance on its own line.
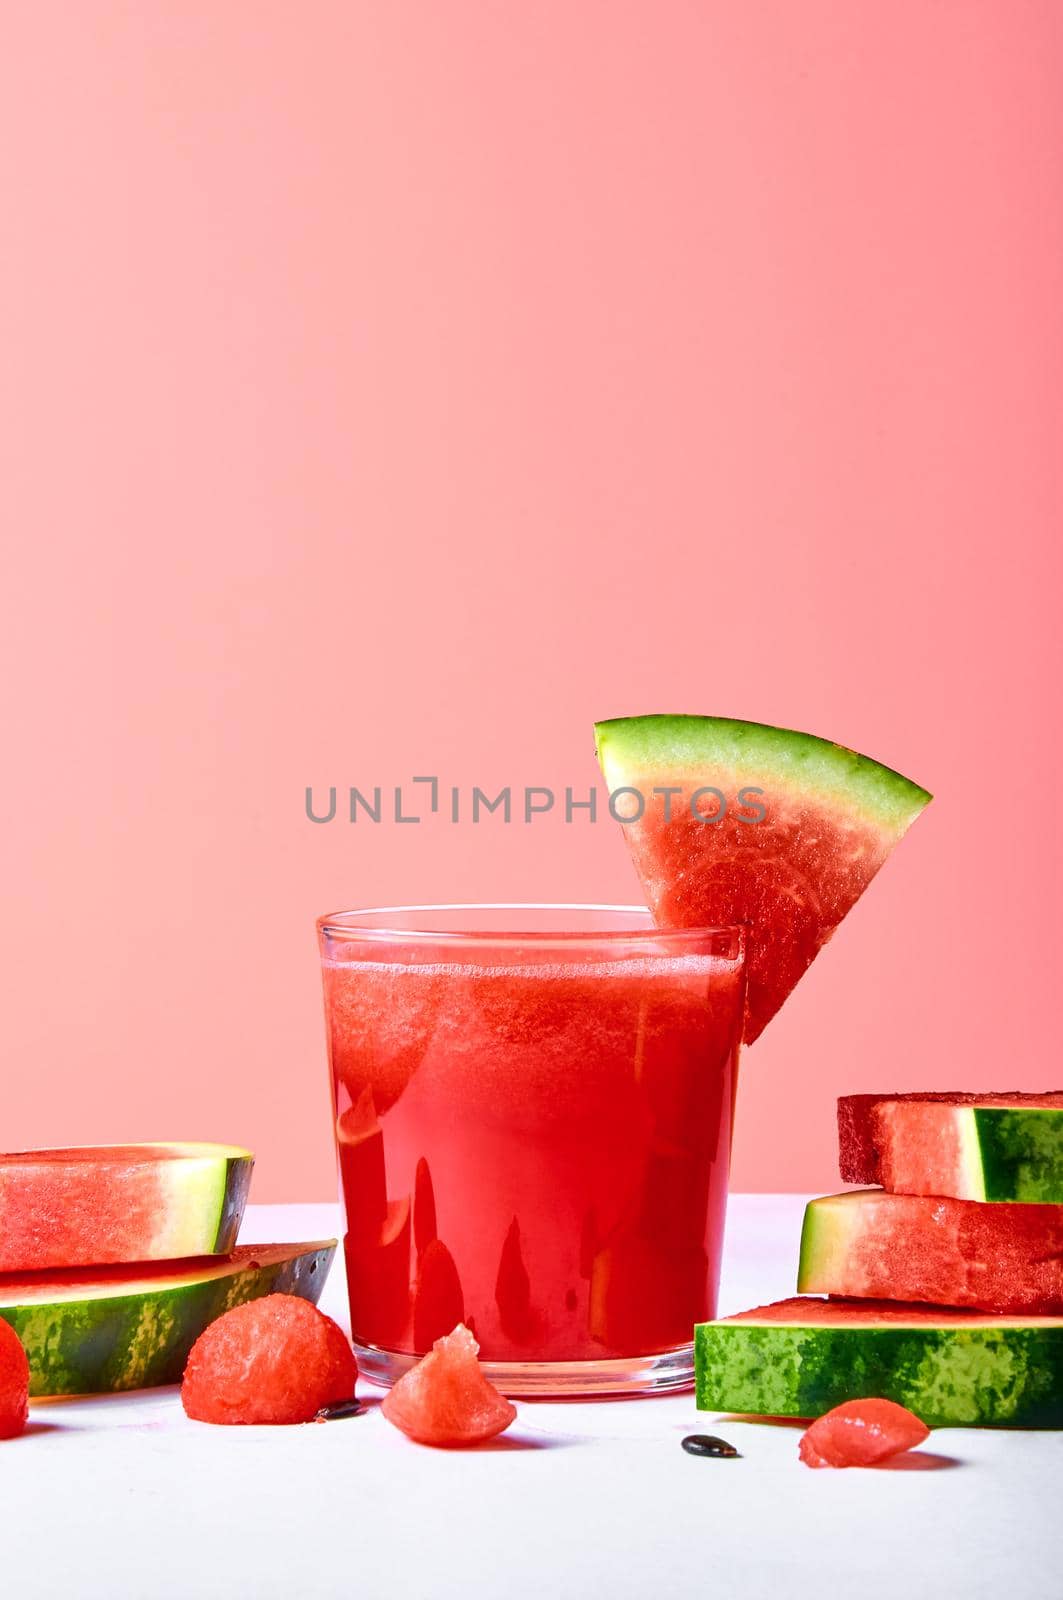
x=738 y=822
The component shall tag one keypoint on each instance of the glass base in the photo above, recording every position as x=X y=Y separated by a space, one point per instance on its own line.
x=556 y=1380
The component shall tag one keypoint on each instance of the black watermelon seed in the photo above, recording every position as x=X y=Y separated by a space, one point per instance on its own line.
x=345 y=1408
x=707 y=1444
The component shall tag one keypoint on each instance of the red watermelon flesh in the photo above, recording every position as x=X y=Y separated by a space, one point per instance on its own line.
x=838 y=1312
x=786 y=834
x=276 y=1360
x=101 y=1205
x=14 y=1383
x=861 y=1433
x=874 y=1245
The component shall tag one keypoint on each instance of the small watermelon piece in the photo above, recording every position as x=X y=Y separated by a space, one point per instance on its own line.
x=997 y=1147
x=14 y=1383
x=828 y=820
x=446 y=1400
x=132 y=1327
x=927 y=1248
x=108 y=1204
x=861 y=1433
x=277 y=1360
x=803 y=1356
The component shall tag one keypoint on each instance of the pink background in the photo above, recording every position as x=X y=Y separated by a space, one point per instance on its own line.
x=396 y=388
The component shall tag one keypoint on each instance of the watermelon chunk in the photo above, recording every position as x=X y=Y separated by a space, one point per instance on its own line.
x=446 y=1400
x=949 y=1252
x=275 y=1360
x=14 y=1384
x=793 y=834
x=132 y=1327
x=861 y=1433
x=801 y=1357
x=995 y=1147
x=107 y=1204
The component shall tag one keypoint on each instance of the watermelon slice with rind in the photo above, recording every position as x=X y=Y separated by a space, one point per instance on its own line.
x=930 y=1248
x=996 y=1147
x=101 y=1205
x=739 y=822
x=97 y=1330
x=802 y=1356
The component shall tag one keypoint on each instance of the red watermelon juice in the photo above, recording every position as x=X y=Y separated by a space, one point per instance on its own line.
x=533 y=1116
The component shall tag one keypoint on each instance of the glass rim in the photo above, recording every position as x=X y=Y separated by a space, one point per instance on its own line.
x=348 y=925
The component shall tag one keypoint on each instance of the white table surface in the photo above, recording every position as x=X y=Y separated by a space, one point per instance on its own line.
x=123 y=1496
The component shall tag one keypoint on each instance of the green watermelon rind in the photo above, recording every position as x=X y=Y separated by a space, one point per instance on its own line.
x=1021 y=1153
x=234 y=1189
x=998 y=1372
x=207 y=1205
x=630 y=747
x=134 y=1330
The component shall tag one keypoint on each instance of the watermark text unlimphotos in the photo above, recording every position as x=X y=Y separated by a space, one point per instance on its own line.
x=403 y=804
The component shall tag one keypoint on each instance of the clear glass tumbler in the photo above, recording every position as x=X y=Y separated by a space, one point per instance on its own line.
x=533 y=1109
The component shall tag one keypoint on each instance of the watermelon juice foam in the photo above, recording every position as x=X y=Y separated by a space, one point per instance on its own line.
x=533 y=1111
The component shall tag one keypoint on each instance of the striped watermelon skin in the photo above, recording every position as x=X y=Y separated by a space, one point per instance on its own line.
x=805 y=827
x=1006 y=1146
x=132 y=1327
x=803 y=1356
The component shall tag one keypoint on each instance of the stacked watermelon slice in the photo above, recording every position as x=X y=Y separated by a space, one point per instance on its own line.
x=945 y=1285
x=113 y=1259
x=970 y=1212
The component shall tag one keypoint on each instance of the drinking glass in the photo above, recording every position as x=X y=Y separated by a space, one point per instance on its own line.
x=533 y=1108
